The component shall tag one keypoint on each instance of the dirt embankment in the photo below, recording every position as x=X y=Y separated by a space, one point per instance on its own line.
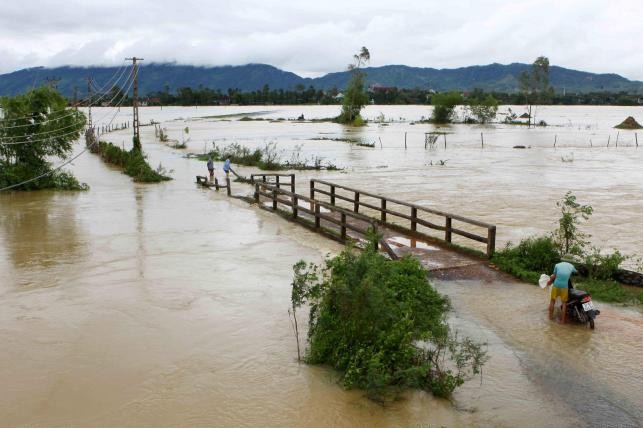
x=629 y=123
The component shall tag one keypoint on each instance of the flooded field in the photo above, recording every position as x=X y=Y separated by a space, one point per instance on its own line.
x=166 y=305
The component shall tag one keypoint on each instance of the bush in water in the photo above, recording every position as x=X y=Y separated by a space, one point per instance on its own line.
x=382 y=325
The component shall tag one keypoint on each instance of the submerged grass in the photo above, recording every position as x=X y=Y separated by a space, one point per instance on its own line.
x=267 y=159
x=132 y=163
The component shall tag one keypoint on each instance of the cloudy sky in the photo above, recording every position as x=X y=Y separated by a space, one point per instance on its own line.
x=312 y=38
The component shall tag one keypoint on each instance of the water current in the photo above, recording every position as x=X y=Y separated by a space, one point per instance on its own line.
x=166 y=305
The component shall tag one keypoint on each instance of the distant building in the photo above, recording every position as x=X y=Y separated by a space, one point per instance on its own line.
x=376 y=88
x=339 y=96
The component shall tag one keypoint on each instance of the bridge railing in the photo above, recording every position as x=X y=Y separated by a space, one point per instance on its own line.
x=319 y=211
x=275 y=179
x=415 y=214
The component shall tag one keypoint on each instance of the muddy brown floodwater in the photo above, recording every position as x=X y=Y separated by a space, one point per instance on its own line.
x=166 y=305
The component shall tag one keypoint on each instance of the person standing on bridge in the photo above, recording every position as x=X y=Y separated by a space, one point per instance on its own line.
x=560 y=279
x=227 y=167
x=211 y=168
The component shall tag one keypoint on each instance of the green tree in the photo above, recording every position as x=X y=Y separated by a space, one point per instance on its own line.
x=382 y=325
x=535 y=85
x=444 y=105
x=483 y=109
x=569 y=238
x=355 y=97
x=35 y=127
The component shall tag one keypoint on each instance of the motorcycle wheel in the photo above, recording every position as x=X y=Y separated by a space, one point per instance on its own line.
x=591 y=323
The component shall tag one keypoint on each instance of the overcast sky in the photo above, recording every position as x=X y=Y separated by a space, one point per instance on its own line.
x=312 y=38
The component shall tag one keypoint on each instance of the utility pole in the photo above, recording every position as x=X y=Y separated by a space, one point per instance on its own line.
x=135 y=121
x=89 y=102
x=76 y=97
x=52 y=82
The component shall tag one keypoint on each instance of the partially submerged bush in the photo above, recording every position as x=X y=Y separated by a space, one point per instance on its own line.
x=267 y=158
x=530 y=258
x=382 y=325
x=132 y=163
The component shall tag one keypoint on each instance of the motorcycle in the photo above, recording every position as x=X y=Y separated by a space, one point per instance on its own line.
x=580 y=306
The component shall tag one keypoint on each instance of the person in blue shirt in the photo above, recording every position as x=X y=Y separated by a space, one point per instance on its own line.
x=227 y=167
x=559 y=280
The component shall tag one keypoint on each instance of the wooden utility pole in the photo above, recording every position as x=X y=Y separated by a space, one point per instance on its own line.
x=135 y=121
x=89 y=103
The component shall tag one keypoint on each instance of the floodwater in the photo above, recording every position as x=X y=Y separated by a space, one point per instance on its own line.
x=166 y=305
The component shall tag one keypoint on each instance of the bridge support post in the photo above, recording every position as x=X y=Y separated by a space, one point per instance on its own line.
x=295 y=204
x=257 y=192
x=447 y=230
x=383 y=216
x=343 y=226
x=414 y=216
x=317 y=218
x=491 y=241
x=292 y=183
x=356 y=204
x=274 y=199
x=227 y=185
x=332 y=195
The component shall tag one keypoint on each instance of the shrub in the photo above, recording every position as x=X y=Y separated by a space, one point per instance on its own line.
x=382 y=325
x=444 y=106
x=529 y=259
x=603 y=266
x=132 y=163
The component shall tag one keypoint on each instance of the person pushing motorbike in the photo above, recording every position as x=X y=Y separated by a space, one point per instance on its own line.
x=560 y=279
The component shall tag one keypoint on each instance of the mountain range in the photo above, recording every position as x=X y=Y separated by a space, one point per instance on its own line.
x=168 y=76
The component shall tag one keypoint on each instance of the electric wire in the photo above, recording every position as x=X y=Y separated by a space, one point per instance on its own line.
x=48 y=138
x=29 y=141
x=57 y=168
x=123 y=69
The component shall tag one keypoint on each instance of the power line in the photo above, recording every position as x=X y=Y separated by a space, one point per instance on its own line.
x=123 y=96
x=122 y=70
x=58 y=167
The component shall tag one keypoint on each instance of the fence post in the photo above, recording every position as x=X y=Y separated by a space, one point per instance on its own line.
x=274 y=199
x=343 y=226
x=312 y=189
x=216 y=184
x=317 y=218
x=356 y=203
x=383 y=216
x=277 y=181
x=295 y=204
x=332 y=195
x=491 y=241
x=227 y=182
x=257 y=192
x=447 y=230
x=414 y=216
x=376 y=240
x=292 y=183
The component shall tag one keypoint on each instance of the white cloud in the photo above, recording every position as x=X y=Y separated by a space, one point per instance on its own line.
x=313 y=38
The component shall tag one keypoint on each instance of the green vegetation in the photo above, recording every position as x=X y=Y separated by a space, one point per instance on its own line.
x=444 y=105
x=483 y=109
x=35 y=127
x=355 y=97
x=382 y=325
x=535 y=86
x=569 y=238
x=268 y=158
x=536 y=255
x=132 y=163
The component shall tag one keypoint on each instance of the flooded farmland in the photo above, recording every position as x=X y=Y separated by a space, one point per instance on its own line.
x=166 y=305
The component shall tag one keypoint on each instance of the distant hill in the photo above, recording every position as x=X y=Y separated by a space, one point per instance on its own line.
x=159 y=77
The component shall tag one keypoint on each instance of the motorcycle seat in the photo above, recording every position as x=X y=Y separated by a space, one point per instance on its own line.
x=575 y=294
